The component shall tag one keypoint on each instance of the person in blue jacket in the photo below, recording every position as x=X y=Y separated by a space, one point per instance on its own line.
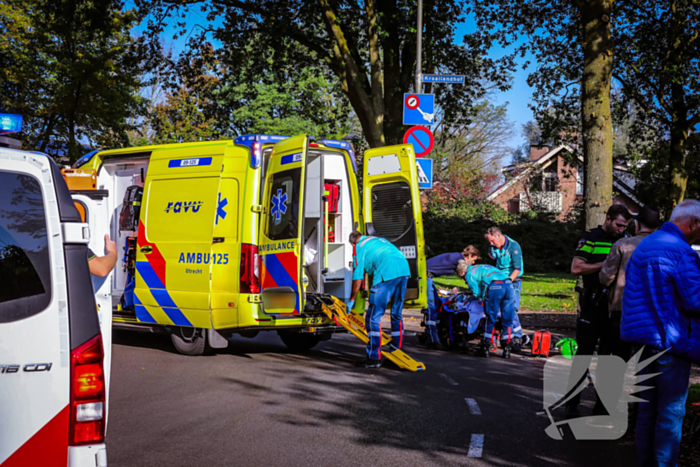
x=495 y=288
x=661 y=311
x=440 y=265
x=389 y=273
x=509 y=259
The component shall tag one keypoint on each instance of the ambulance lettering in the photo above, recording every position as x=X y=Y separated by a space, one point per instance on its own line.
x=277 y=246
x=203 y=258
x=184 y=206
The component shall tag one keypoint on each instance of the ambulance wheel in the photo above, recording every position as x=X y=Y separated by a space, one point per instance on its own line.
x=299 y=342
x=190 y=341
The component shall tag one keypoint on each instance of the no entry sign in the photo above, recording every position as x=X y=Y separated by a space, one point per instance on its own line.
x=421 y=138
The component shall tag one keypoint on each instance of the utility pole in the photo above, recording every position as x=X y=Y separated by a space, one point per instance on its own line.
x=419 y=52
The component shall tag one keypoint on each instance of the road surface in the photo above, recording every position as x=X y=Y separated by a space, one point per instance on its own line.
x=257 y=404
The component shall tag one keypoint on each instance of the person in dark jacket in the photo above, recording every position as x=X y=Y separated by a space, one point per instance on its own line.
x=593 y=323
x=661 y=311
x=440 y=265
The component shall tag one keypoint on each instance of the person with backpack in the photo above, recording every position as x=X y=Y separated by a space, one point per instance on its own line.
x=495 y=288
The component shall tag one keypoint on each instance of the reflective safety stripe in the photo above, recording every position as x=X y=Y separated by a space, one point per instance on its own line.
x=487 y=335
x=430 y=323
x=374 y=334
x=517 y=329
x=397 y=333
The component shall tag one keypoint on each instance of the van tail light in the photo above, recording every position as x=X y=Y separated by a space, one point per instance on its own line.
x=87 y=395
x=249 y=269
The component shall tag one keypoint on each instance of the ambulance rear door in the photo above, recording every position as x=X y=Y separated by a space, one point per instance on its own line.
x=281 y=244
x=179 y=210
x=392 y=210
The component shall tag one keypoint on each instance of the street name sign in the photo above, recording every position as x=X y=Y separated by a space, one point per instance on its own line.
x=447 y=79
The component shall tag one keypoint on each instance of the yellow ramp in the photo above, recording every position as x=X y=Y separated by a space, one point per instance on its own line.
x=336 y=310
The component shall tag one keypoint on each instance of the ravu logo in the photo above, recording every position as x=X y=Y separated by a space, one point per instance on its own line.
x=184 y=206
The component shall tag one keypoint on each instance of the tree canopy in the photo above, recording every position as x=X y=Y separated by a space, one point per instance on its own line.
x=368 y=48
x=72 y=69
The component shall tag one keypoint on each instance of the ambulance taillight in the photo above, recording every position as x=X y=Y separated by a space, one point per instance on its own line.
x=87 y=410
x=249 y=269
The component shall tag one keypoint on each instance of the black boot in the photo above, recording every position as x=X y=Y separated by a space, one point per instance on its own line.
x=368 y=363
x=506 y=349
x=483 y=350
x=516 y=345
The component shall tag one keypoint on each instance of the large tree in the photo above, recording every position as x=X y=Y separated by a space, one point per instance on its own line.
x=72 y=69
x=210 y=96
x=369 y=47
x=571 y=41
x=658 y=64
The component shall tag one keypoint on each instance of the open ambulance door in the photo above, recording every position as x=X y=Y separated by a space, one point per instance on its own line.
x=93 y=208
x=392 y=210
x=281 y=245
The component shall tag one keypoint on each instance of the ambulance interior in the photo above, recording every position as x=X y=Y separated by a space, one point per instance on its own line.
x=118 y=176
x=328 y=219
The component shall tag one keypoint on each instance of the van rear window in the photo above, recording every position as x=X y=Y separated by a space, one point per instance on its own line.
x=283 y=211
x=25 y=267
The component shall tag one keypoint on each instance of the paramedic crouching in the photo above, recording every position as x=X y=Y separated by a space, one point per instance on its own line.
x=440 y=265
x=495 y=288
x=389 y=270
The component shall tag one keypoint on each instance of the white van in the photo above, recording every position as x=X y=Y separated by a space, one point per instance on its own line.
x=54 y=358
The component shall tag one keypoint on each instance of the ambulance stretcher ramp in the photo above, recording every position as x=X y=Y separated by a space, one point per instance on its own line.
x=336 y=310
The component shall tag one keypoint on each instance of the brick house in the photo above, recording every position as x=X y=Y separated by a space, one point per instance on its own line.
x=548 y=182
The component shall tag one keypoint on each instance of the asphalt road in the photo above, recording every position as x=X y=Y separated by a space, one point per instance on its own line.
x=257 y=404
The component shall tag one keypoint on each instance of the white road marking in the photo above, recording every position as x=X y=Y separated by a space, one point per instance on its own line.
x=476 y=446
x=448 y=379
x=473 y=406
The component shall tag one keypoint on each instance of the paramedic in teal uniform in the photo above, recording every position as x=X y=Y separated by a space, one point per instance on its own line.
x=495 y=288
x=509 y=259
x=389 y=271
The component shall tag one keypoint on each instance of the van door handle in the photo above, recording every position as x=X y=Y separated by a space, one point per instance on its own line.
x=146 y=249
x=218 y=240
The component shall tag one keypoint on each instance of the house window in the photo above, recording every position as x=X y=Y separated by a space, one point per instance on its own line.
x=579 y=180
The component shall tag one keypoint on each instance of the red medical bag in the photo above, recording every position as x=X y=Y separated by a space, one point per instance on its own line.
x=333 y=194
x=541 y=343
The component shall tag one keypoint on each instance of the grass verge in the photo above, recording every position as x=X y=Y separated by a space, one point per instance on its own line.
x=541 y=292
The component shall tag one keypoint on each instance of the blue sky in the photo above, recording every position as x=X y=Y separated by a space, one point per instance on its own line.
x=518 y=97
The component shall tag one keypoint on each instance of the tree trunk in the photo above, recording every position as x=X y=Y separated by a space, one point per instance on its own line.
x=354 y=80
x=678 y=176
x=595 y=108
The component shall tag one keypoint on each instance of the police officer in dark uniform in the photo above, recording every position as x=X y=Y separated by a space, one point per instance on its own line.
x=593 y=323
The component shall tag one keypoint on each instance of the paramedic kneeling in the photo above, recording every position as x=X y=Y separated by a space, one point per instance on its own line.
x=495 y=288
x=440 y=265
x=389 y=270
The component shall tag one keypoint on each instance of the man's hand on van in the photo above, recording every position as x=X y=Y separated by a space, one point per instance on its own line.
x=100 y=266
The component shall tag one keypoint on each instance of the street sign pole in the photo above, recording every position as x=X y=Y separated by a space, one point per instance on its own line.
x=419 y=52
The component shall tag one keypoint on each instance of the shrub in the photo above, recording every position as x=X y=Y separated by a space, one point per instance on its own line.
x=548 y=245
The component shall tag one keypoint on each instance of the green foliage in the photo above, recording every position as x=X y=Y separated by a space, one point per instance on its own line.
x=209 y=97
x=547 y=245
x=72 y=69
x=366 y=50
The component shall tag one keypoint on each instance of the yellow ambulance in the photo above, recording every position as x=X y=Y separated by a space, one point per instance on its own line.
x=235 y=236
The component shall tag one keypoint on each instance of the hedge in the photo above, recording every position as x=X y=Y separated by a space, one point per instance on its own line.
x=548 y=245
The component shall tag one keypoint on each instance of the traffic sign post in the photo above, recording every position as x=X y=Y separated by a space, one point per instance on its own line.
x=425 y=173
x=421 y=138
x=447 y=79
x=418 y=109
